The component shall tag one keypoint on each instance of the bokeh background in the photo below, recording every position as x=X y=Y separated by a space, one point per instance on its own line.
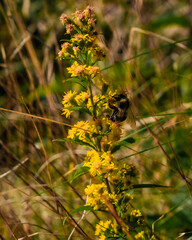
x=148 y=45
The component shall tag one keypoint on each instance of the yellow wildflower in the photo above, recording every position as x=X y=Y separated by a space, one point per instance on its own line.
x=77 y=38
x=102 y=226
x=67 y=113
x=114 y=225
x=63 y=18
x=110 y=227
x=94 y=188
x=76 y=69
x=93 y=161
x=108 y=162
x=91 y=21
x=89 y=12
x=102 y=237
x=97 y=195
x=93 y=71
x=99 y=100
x=66 y=103
x=79 y=15
x=140 y=235
x=136 y=213
x=78 y=130
x=89 y=105
x=88 y=38
x=65 y=46
x=80 y=99
x=82 y=131
x=112 y=93
x=68 y=96
x=113 y=197
x=69 y=28
x=98 y=229
x=99 y=164
x=153 y=238
x=76 y=51
x=60 y=53
x=65 y=49
x=106 y=224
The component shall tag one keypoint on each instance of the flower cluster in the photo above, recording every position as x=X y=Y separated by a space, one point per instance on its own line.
x=123 y=178
x=82 y=49
x=104 y=229
x=83 y=71
x=140 y=235
x=99 y=164
x=68 y=99
x=73 y=101
x=83 y=37
x=98 y=194
x=83 y=131
x=112 y=180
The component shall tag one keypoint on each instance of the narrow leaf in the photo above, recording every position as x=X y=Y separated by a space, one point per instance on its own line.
x=64 y=220
x=122 y=143
x=82 y=208
x=80 y=81
x=77 y=141
x=77 y=108
x=89 y=57
x=80 y=171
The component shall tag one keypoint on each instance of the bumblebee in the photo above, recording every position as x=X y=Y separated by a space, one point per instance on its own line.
x=121 y=107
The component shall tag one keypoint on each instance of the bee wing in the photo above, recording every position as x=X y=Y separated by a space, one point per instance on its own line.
x=131 y=118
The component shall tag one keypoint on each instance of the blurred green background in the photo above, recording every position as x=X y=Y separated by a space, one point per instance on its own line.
x=154 y=38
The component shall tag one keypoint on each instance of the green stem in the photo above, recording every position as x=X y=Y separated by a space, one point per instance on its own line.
x=92 y=102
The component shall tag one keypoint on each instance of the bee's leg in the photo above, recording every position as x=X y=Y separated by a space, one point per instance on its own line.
x=113 y=116
x=112 y=106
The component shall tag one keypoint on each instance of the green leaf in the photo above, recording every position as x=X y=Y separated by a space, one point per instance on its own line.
x=122 y=143
x=64 y=220
x=89 y=57
x=80 y=142
x=80 y=171
x=82 y=208
x=116 y=148
x=128 y=140
x=79 y=165
x=77 y=108
x=77 y=141
x=80 y=81
x=60 y=140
